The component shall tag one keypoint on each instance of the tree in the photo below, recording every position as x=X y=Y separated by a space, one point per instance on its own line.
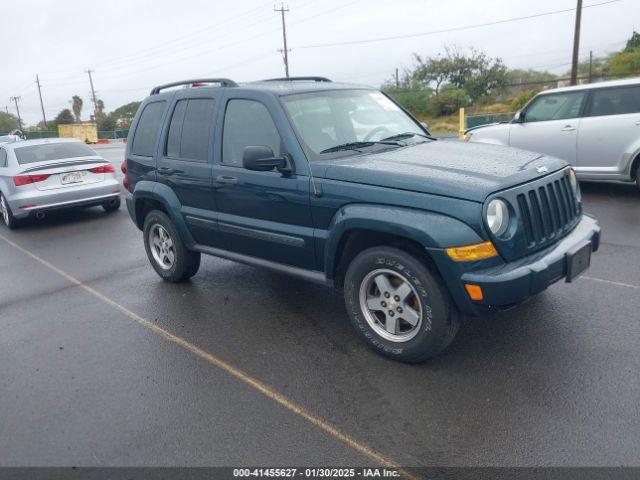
x=126 y=112
x=448 y=101
x=475 y=72
x=76 y=105
x=8 y=122
x=65 y=117
x=633 y=43
x=106 y=123
x=99 y=108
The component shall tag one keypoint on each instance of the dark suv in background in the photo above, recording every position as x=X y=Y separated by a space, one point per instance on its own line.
x=337 y=184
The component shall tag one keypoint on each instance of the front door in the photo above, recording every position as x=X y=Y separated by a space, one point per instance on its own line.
x=550 y=125
x=261 y=214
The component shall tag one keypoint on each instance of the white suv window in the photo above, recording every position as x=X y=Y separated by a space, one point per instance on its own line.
x=615 y=101
x=556 y=106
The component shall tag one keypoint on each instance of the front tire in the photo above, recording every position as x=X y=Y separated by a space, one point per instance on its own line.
x=398 y=306
x=166 y=251
x=6 y=214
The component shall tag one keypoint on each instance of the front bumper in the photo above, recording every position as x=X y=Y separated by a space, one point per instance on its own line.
x=511 y=283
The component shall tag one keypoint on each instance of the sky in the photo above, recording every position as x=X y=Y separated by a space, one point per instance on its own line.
x=133 y=45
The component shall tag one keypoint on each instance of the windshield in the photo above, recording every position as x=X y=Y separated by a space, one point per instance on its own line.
x=328 y=119
x=52 y=151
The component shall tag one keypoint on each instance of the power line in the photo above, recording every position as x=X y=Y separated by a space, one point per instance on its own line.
x=446 y=30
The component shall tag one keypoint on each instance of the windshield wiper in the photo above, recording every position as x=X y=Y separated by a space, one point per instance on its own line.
x=401 y=136
x=356 y=146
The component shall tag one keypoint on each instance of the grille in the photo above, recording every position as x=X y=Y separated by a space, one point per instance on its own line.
x=548 y=211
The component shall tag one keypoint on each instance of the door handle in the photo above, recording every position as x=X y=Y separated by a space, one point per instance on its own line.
x=638 y=123
x=568 y=128
x=166 y=171
x=226 y=180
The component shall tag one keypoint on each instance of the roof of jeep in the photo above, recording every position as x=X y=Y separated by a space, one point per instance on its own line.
x=277 y=87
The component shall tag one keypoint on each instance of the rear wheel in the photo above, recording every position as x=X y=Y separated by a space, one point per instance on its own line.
x=7 y=216
x=166 y=251
x=112 y=205
x=398 y=306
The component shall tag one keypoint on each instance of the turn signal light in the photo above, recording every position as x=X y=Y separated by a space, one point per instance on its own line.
x=470 y=253
x=20 y=180
x=474 y=291
x=103 y=169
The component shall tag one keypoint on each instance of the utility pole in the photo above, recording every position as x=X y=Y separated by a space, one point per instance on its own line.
x=285 y=51
x=93 y=97
x=590 y=66
x=576 y=44
x=44 y=118
x=15 y=100
x=397 y=80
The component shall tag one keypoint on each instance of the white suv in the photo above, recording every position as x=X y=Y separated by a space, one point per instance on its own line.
x=595 y=127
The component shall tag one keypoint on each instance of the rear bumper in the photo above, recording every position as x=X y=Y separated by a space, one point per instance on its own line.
x=509 y=284
x=27 y=203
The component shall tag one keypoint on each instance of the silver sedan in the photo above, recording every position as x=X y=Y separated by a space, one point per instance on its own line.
x=37 y=176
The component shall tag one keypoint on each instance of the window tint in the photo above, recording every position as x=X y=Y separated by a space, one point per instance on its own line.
x=247 y=122
x=3 y=157
x=52 y=151
x=175 y=129
x=190 y=129
x=616 y=101
x=146 y=134
x=555 y=107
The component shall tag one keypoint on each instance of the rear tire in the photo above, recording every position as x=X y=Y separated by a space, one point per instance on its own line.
x=398 y=306
x=112 y=205
x=166 y=251
x=5 y=212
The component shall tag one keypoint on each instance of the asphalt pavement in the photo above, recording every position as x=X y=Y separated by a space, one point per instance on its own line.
x=104 y=364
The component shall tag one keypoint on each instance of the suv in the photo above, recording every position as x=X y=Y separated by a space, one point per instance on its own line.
x=338 y=184
x=595 y=127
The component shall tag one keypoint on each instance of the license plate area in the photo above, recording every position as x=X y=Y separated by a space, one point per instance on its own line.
x=72 y=177
x=578 y=261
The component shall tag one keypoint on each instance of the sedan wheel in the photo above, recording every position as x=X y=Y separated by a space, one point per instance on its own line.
x=4 y=210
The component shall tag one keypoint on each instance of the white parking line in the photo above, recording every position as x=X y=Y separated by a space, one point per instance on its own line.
x=611 y=282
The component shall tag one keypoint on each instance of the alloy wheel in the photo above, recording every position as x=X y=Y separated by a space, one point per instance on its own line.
x=162 y=247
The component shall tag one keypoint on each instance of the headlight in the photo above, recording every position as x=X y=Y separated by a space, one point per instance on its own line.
x=497 y=216
x=573 y=181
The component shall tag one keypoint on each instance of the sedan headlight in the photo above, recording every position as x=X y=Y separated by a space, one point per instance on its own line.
x=497 y=216
x=573 y=181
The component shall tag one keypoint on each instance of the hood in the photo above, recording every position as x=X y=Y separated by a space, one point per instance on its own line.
x=464 y=170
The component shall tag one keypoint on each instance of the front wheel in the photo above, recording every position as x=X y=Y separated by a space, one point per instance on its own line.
x=398 y=306
x=166 y=251
x=7 y=216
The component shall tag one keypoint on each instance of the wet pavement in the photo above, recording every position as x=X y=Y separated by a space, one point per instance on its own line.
x=85 y=381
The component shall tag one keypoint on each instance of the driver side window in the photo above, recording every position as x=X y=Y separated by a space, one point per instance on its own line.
x=3 y=158
x=557 y=106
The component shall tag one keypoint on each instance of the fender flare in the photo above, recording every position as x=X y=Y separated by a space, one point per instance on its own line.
x=430 y=229
x=147 y=190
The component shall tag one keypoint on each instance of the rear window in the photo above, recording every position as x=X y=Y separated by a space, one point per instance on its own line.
x=148 y=129
x=616 y=101
x=52 y=151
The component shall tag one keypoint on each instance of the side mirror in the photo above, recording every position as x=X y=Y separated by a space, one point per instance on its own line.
x=518 y=117
x=260 y=158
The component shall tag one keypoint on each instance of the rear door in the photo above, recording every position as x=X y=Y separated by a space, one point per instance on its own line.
x=609 y=131
x=184 y=162
x=550 y=125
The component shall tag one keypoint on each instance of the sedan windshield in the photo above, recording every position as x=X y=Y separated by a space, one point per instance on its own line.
x=52 y=151
x=347 y=121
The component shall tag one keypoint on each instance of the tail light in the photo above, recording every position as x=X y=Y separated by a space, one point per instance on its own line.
x=125 y=181
x=103 y=169
x=20 y=180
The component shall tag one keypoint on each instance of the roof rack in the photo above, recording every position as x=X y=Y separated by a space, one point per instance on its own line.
x=224 y=82
x=297 y=79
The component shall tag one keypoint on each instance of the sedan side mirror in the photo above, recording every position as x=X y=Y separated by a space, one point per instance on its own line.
x=260 y=158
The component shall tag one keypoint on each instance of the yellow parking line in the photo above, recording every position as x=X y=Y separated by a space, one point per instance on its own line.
x=230 y=369
x=611 y=282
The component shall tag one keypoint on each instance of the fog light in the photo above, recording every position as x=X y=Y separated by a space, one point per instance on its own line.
x=474 y=291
